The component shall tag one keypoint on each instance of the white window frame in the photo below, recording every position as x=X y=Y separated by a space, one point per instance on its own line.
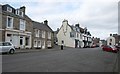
x=72 y=34
x=11 y=22
x=49 y=44
x=21 y=13
x=49 y=35
x=85 y=38
x=9 y=9
x=43 y=34
x=17 y=11
x=22 y=25
x=39 y=43
x=37 y=33
x=35 y=43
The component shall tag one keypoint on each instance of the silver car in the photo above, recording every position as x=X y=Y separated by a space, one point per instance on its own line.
x=7 y=47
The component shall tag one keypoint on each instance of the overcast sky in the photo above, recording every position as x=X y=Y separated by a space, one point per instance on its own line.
x=99 y=16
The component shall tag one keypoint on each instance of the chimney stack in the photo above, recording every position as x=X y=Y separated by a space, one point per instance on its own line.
x=23 y=9
x=77 y=25
x=46 y=22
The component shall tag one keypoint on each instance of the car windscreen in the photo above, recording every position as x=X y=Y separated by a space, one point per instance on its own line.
x=112 y=46
x=6 y=44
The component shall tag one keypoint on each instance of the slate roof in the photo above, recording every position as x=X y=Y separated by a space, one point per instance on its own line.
x=42 y=26
x=80 y=29
x=13 y=14
x=74 y=28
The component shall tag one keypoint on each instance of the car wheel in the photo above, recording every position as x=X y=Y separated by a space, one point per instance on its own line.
x=114 y=51
x=11 y=51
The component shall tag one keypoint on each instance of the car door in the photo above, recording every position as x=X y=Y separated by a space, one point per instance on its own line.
x=6 y=47
x=109 y=48
x=105 y=48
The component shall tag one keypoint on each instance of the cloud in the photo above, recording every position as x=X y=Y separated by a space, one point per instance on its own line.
x=99 y=16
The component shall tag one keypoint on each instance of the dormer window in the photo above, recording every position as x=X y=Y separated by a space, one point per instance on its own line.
x=9 y=9
x=21 y=13
x=17 y=12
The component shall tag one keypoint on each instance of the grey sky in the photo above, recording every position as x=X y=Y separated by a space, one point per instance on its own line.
x=99 y=16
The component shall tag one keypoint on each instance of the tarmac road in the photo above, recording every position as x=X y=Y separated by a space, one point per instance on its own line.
x=56 y=60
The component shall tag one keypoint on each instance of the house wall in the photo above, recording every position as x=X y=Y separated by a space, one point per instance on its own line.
x=47 y=39
x=117 y=39
x=0 y=23
x=66 y=38
x=4 y=20
x=29 y=28
x=52 y=39
x=112 y=42
x=44 y=41
x=15 y=32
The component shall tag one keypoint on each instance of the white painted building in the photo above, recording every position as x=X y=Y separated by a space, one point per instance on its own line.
x=111 y=40
x=70 y=35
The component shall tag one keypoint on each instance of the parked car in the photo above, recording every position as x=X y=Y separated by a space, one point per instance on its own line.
x=118 y=47
x=110 y=48
x=93 y=46
x=7 y=47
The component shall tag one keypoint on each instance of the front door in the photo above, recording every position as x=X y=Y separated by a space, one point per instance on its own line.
x=21 y=41
x=76 y=43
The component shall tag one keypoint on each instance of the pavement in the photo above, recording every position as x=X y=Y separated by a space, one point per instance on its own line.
x=37 y=50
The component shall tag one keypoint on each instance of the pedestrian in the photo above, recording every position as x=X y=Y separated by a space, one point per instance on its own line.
x=62 y=45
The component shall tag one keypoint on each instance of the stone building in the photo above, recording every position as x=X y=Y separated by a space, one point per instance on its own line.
x=16 y=26
x=42 y=35
x=117 y=39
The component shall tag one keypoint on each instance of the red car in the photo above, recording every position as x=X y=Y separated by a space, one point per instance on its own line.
x=110 y=48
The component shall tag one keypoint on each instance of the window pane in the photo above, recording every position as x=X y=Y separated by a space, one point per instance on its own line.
x=9 y=22
x=22 y=24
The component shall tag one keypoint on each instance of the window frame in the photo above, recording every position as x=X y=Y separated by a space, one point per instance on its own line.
x=72 y=34
x=9 y=9
x=11 y=23
x=43 y=34
x=22 y=23
x=49 y=35
x=37 y=33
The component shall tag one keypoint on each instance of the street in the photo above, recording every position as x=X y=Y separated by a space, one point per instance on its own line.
x=56 y=60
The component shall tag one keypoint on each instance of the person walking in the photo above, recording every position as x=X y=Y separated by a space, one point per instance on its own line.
x=62 y=45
